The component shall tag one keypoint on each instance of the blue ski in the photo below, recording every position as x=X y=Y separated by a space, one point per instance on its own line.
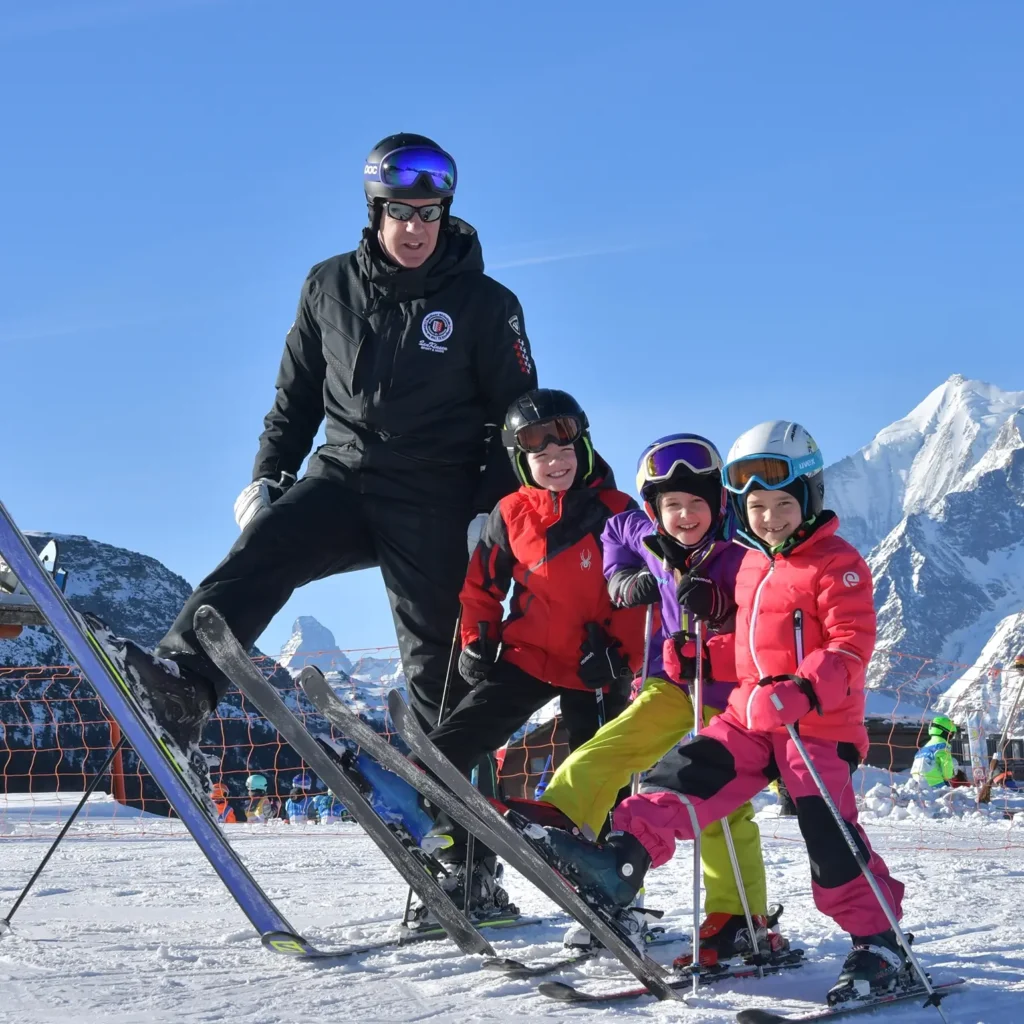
x=155 y=752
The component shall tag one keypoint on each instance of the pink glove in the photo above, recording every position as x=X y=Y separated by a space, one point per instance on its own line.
x=779 y=701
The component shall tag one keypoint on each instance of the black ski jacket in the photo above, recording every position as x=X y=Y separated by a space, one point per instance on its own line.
x=408 y=366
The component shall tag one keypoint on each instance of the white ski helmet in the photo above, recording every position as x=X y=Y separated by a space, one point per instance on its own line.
x=776 y=455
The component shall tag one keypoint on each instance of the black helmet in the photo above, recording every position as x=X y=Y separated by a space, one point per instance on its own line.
x=408 y=166
x=569 y=425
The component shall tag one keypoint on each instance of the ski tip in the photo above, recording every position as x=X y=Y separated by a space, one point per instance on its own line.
x=753 y=1016
x=289 y=944
x=562 y=992
x=503 y=963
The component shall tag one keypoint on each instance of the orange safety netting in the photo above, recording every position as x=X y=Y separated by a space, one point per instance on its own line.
x=55 y=735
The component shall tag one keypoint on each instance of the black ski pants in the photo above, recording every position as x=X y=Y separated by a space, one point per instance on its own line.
x=486 y=717
x=323 y=526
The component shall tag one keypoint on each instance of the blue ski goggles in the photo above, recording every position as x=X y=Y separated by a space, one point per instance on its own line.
x=403 y=168
x=662 y=460
x=769 y=472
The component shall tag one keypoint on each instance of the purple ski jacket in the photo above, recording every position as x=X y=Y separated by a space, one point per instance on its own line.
x=624 y=548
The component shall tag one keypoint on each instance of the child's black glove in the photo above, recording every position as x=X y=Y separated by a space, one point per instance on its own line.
x=601 y=660
x=629 y=588
x=478 y=657
x=703 y=598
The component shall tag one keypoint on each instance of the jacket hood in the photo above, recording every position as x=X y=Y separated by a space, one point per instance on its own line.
x=458 y=252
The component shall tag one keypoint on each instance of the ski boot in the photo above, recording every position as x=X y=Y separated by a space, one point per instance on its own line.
x=394 y=801
x=725 y=936
x=609 y=876
x=877 y=964
x=176 y=701
x=488 y=902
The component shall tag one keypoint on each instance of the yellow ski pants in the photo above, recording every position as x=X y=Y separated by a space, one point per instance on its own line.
x=586 y=784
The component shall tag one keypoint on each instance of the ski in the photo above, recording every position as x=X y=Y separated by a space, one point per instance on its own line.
x=232 y=660
x=466 y=805
x=539 y=968
x=848 y=1009
x=157 y=753
x=564 y=993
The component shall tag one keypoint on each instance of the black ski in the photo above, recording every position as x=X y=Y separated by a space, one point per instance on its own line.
x=465 y=804
x=539 y=968
x=232 y=660
x=849 y=1008
x=564 y=993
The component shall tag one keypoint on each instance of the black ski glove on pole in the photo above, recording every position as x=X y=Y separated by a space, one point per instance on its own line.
x=478 y=656
x=601 y=661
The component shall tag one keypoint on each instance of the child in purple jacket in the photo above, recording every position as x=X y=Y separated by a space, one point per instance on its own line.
x=674 y=553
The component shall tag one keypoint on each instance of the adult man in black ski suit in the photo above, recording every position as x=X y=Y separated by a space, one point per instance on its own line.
x=410 y=351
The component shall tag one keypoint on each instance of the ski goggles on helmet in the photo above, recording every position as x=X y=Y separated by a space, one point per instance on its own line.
x=770 y=472
x=402 y=168
x=403 y=211
x=664 y=459
x=561 y=430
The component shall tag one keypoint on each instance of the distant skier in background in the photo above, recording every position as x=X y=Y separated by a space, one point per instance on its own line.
x=934 y=764
x=412 y=354
x=300 y=806
x=261 y=806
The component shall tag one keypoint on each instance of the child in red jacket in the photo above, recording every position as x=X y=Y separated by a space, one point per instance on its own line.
x=561 y=637
x=805 y=631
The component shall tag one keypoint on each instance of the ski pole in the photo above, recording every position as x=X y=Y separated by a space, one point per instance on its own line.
x=440 y=718
x=933 y=997
x=5 y=924
x=742 y=890
x=634 y=782
x=698 y=719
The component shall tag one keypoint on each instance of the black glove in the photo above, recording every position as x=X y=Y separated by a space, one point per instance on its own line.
x=703 y=598
x=629 y=588
x=601 y=660
x=478 y=657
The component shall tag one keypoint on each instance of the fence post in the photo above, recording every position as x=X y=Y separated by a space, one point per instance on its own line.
x=117 y=767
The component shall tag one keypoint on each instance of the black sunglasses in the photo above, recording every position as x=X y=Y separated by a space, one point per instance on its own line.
x=403 y=211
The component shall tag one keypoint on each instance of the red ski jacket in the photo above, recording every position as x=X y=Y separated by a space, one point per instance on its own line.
x=808 y=612
x=546 y=546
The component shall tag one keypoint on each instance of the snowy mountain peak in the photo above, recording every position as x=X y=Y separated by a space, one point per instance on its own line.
x=913 y=463
x=312 y=643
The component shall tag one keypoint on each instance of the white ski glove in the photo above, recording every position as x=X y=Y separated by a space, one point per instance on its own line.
x=260 y=494
x=473 y=531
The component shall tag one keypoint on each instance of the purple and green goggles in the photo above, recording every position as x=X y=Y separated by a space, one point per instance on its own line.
x=403 y=168
x=662 y=460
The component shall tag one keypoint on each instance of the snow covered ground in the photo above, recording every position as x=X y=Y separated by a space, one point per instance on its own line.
x=130 y=928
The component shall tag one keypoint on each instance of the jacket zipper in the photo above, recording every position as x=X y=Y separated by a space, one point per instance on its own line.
x=753 y=617
x=798 y=636
x=750 y=635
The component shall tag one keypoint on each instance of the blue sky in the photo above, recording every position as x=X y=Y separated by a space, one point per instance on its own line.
x=713 y=215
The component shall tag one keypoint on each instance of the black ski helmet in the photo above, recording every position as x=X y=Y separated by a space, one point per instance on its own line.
x=539 y=406
x=382 y=158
